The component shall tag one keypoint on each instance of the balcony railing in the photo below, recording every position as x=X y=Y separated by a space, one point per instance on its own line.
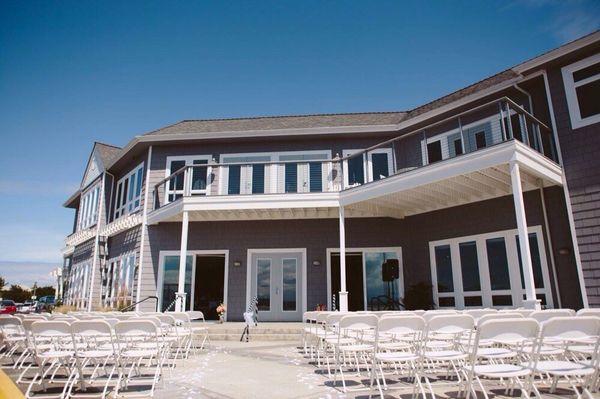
x=480 y=127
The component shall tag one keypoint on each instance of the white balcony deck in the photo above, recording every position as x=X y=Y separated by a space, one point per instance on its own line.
x=473 y=177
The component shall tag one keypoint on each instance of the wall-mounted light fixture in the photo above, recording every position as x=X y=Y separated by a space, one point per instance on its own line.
x=316 y=262
x=237 y=263
x=564 y=251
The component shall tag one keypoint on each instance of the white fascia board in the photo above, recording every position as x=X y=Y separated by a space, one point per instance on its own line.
x=479 y=160
x=262 y=201
x=537 y=164
x=165 y=212
x=557 y=53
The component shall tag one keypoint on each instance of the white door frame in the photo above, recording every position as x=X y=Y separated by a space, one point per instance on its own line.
x=258 y=251
x=363 y=251
x=193 y=253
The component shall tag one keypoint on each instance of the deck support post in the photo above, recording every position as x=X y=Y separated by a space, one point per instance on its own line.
x=343 y=293
x=531 y=301
x=180 y=303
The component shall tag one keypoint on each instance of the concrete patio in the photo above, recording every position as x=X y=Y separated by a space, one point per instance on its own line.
x=271 y=369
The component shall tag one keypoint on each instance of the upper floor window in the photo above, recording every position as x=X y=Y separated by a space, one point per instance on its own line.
x=129 y=192
x=375 y=165
x=88 y=208
x=298 y=172
x=582 y=89
x=200 y=175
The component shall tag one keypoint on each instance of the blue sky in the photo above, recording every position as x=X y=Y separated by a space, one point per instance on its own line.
x=72 y=72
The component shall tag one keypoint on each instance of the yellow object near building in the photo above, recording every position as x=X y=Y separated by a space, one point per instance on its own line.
x=8 y=389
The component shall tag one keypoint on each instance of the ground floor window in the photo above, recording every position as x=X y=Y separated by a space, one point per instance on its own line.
x=79 y=284
x=117 y=281
x=485 y=270
x=205 y=281
x=374 y=278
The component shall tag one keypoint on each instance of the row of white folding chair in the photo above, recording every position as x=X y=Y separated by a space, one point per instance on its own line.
x=85 y=348
x=510 y=337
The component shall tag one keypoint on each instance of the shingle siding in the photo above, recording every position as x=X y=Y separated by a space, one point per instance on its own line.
x=581 y=162
x=413 y=234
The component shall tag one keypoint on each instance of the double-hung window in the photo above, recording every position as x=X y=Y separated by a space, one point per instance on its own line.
x=375 y=165
x=582 y=89
x=199 y=180
x=129 y=192
x=88 y=209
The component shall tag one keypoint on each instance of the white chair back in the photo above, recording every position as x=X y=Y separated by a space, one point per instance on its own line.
x=450 y=323
x=509 y=331
x=478 y=313
x=544 y=315
x=357 y=322
x=589 y=312
x=401 y=325
x=433 y=313
x=571 y=328
x=498 y=316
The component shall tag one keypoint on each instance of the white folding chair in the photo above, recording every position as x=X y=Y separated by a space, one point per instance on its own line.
x=53 y=350
x=140 y=354
x=404 y=350
x=96 y=356
x=477 y=313
x=510 y=332
x=351 y=330
x=444 y=348
x=564 y=332
x=12 y=338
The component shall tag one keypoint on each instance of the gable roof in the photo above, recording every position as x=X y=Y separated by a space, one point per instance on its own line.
x=107 y=152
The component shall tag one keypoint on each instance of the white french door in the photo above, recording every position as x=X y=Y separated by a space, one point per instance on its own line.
x=276 y=282
x=485 y=270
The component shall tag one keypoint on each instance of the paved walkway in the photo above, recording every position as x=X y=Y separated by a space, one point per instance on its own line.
x=273 y=370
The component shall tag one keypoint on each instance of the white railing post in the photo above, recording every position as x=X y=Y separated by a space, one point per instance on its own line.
x=180 y=304
x=343 y=292
x=531 y=301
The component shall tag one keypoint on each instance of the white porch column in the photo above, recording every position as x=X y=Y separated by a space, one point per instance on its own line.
x=343 y=293
x=180 y=304
x=531 y=302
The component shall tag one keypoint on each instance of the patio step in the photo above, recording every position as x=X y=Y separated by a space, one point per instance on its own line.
x=232 y=331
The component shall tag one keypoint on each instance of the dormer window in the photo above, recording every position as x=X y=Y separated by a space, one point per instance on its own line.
x=582 y=88
x=88 y=208
x=129 y=192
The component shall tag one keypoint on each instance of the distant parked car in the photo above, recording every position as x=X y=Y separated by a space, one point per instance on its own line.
x=8 y=307
x=45 y=303
x=27 y=307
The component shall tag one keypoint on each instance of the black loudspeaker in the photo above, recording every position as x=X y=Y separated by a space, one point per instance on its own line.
x=390 y=270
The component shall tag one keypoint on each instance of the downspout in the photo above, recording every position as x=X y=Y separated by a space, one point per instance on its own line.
x=96 y=241
x=584 y=299
x=143 y=230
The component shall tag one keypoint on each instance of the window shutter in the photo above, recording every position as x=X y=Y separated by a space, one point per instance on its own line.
x=315 y=177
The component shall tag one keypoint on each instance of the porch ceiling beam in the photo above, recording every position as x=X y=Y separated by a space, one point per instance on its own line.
x=446 y=192
x=495 y=174
x=421 y=196
x=436 y=197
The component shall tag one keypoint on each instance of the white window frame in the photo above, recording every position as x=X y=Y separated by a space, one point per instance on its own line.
x=516 y=290
x=570 y=86
x=367 y=163
x=124 y=209
x=189 y=160
x=88 y=208
x=273 y=172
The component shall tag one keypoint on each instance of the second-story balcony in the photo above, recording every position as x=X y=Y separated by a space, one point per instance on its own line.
x=461 y=159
